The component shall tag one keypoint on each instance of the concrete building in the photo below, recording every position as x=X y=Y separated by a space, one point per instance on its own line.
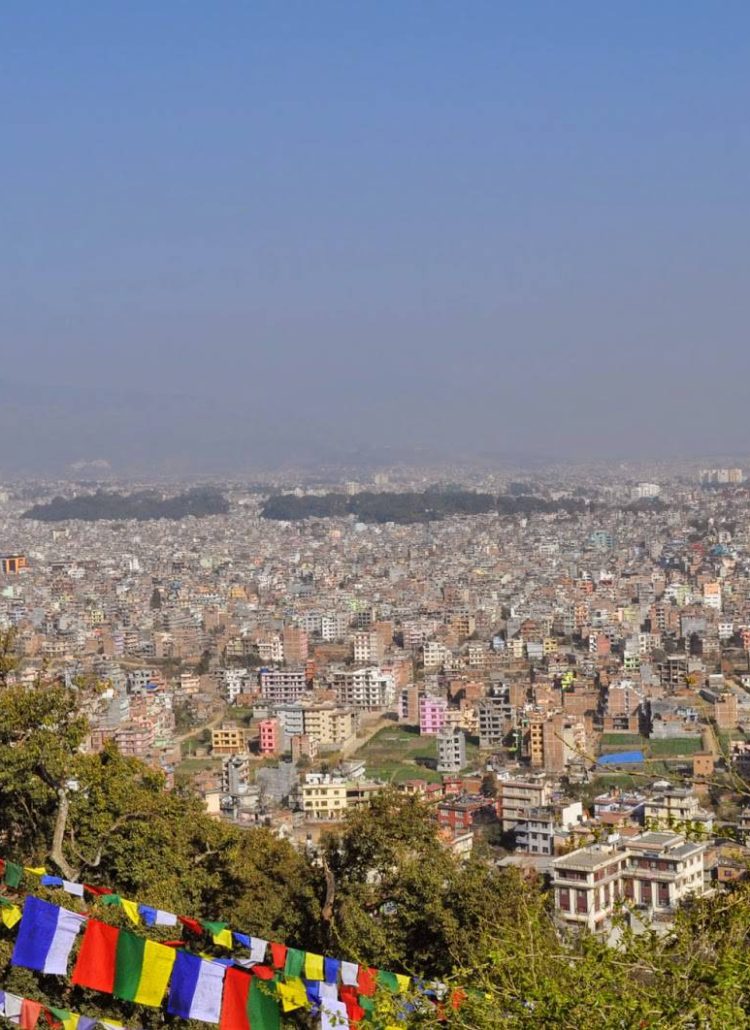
x=432 y=714
x=269 y=731
x=282 y=686
x=228 y=740
x=451 y=750
x=653 y=871
x=368 y=689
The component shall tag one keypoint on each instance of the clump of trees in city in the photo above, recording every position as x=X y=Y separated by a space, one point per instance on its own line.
x=373 y=506
x=141 y=505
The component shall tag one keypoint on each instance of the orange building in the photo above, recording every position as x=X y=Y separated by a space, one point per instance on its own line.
x=13 y=563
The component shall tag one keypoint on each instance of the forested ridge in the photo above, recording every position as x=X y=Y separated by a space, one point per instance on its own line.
x=383 y=892
x=428 y=506
x=141 y=505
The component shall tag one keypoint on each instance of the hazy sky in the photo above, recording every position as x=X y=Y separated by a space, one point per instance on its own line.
x=490 y=226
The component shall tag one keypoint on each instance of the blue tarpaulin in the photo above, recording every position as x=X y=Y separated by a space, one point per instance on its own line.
x=622 y=758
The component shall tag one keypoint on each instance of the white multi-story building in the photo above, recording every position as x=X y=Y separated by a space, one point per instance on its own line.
x=653 y=871
x=282 y=685
x=367 y=689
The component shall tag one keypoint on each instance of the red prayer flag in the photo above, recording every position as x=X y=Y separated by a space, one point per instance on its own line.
x=192 y=924
x=278 y=955
x=263 y=972
x=95 y=967
x=30 y=1012
x=98 y=891
x=367 y=981
x=350 y=998
x=234 y=1001
x=458 y=997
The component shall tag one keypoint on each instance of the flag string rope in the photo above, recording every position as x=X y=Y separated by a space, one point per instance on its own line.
x=225 y=991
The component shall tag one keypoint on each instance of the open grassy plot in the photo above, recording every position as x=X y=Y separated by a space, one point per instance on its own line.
x=398 y=753
x=676 y=746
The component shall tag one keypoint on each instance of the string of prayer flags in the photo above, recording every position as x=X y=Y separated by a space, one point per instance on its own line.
x=46 y=937
x=21 y=1011
x=248 y=1003
x=195 y=988
x=119 y=963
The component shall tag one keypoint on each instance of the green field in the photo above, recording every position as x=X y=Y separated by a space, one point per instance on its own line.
x=624 y=740
x=679 y=746
x=394 y=754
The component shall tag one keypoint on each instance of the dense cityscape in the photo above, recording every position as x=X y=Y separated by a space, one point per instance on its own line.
x=570 y=687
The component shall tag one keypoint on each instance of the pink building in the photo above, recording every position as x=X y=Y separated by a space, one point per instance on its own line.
x=432 y=713
x=269 y=736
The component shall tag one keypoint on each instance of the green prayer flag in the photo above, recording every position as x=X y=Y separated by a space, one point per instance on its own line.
x=368 y=1004
x=129 y=964
x=388 y=980
x=212 y=927
x=110 y=899
x=263 y=1009
x=295 y=963
x=13 y=874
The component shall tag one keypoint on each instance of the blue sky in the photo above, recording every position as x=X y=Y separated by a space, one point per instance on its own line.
x=484 y=226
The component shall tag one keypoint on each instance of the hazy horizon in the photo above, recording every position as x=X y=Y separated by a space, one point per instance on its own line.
x=246 y=235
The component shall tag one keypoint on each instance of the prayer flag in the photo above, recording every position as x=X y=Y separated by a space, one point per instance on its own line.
x=156 y=917
x=9 y=913
x=295 y=962
x=68 y=1020
x=46 y=937
x=349 y=973
x=293 y=995
x=278 y=955
x=313 y=966
x=95 y=967
x=30 y=1013
x=13 y=874
x=331 y=967
x=142 y=969
x=195 y=988
x=333 y=1016
x=248 y=1003
x=12 y=1006
x=130 y=908
x=257 y=949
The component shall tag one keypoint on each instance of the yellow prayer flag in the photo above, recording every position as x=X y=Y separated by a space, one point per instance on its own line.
x=403 y=982
x=10 y=915
x=38 y=871
x=293 y=994
x=223 y=938
x=314 y=967
x=155 y=973
x=130 y=908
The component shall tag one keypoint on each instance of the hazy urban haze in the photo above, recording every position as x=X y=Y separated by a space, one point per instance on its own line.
x=237 y=234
